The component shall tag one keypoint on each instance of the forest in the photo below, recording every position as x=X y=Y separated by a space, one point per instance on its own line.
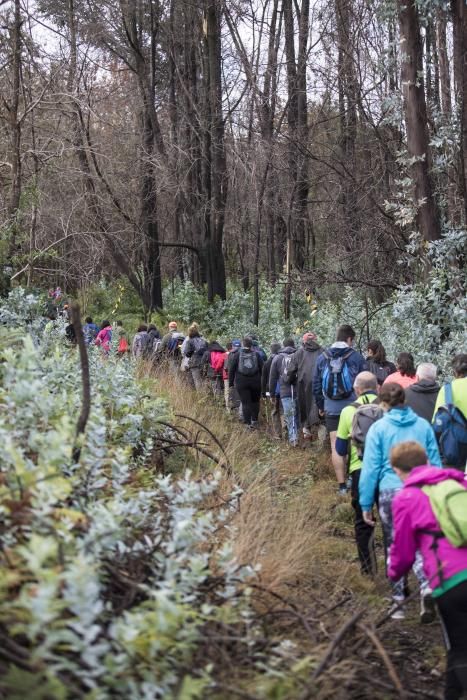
x=314 y=146
x=265 y=168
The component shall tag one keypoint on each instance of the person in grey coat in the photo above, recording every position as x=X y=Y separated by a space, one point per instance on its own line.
x=280 y=384
x=421 y=396
x=301 y=370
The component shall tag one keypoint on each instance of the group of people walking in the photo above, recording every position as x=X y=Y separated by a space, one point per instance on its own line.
x=398 y=444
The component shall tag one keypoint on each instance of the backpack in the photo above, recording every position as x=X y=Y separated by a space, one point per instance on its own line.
x=123 y=346
x=140 y=343
x=450 y=426
x=248 y=364
x=156 y=346
x=217 y=362
x=448 y=500
x=366 y=414
x=195 y=350
x=147 y=342
x=380 y=371
x=175 y=343
x=285 y=368
x=337 y=380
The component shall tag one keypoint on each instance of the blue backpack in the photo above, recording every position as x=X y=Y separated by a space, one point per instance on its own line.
x=337 y=380
x=450 y=426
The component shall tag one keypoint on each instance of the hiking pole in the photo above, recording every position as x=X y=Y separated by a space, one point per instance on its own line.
x=294 y=415
x=266 y=403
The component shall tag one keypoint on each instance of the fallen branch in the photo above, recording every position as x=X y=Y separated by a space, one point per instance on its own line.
x=218 y=443
x=372 y=636
x=335 y=643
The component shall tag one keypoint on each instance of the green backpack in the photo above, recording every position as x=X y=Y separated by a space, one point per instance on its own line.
x=448 y=500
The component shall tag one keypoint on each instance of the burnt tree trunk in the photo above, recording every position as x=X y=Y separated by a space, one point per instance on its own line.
x=459 y=12
x=216 y=166
x=14 y=128
x=428 y=219
x=297 y=118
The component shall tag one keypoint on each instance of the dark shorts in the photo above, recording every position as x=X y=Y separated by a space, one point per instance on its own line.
x=331 y=423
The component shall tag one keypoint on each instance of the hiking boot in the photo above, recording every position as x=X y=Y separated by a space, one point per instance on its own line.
x=399 y=613
x=343 y=490
x=427 y=609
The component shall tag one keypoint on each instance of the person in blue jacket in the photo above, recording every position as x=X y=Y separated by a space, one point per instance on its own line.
x=378 y=480
x=333 y=379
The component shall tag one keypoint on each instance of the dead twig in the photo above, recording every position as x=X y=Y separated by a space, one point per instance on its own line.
x=209 y=432
x=335 y=643
x=372 y=636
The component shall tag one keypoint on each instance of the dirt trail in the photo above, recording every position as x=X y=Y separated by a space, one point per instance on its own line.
x=292 y=524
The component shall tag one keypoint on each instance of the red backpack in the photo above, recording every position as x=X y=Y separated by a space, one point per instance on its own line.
x=217 y=362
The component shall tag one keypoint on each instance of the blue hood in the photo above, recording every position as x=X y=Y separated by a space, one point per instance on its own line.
x=402 y=417
x=396 y=426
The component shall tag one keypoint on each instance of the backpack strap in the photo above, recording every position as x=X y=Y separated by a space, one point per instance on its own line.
x=448 y=394
x=437 y=535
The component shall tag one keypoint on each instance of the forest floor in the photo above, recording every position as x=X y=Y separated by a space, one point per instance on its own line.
x=298 y=531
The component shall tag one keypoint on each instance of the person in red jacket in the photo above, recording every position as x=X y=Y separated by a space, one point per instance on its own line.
x=213 y=365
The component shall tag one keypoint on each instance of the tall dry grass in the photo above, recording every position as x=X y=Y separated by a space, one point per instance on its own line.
x=286 y=523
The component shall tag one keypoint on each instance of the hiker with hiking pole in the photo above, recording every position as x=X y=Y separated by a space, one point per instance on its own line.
x=281 y=384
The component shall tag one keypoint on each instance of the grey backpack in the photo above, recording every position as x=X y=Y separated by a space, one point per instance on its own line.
x=366 y=414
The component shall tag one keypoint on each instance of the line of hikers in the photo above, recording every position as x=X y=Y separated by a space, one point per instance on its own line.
x=398 y=444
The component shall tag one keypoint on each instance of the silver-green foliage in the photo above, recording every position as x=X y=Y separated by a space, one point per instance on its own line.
x=106 y=564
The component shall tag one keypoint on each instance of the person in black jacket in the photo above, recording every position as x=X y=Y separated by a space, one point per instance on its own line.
x=421 y=396
x=245 y=374
x=276 y=422
x=377 y=362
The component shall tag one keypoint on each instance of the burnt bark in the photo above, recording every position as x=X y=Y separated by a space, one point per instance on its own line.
x=216 y=166
x=297 y=120
x=14 y=128
x=427 y=213
x=459 y=13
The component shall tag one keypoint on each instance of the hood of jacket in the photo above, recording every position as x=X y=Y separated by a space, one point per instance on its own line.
x=401 y=417
x=311 y=346
x=215 y=347
x=424 y=476
x=338 y=349
x=287 y=351
x=425 y=386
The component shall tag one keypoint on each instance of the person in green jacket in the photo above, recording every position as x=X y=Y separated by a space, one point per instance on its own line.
x=458 y=384
x=365 y=387
x=450 y=424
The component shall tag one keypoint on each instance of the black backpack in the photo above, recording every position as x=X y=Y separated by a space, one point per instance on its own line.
x=380 y=371
x=248 y=364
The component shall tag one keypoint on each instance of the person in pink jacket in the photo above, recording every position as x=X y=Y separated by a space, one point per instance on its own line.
x=445 y=566
x=104 y=337
x=405 y=374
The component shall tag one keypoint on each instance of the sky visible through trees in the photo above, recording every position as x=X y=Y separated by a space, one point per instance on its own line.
x=295 y=141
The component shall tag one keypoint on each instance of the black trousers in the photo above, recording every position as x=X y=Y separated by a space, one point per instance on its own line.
x=250 y=397
x=452 y=607
x=364 y=534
